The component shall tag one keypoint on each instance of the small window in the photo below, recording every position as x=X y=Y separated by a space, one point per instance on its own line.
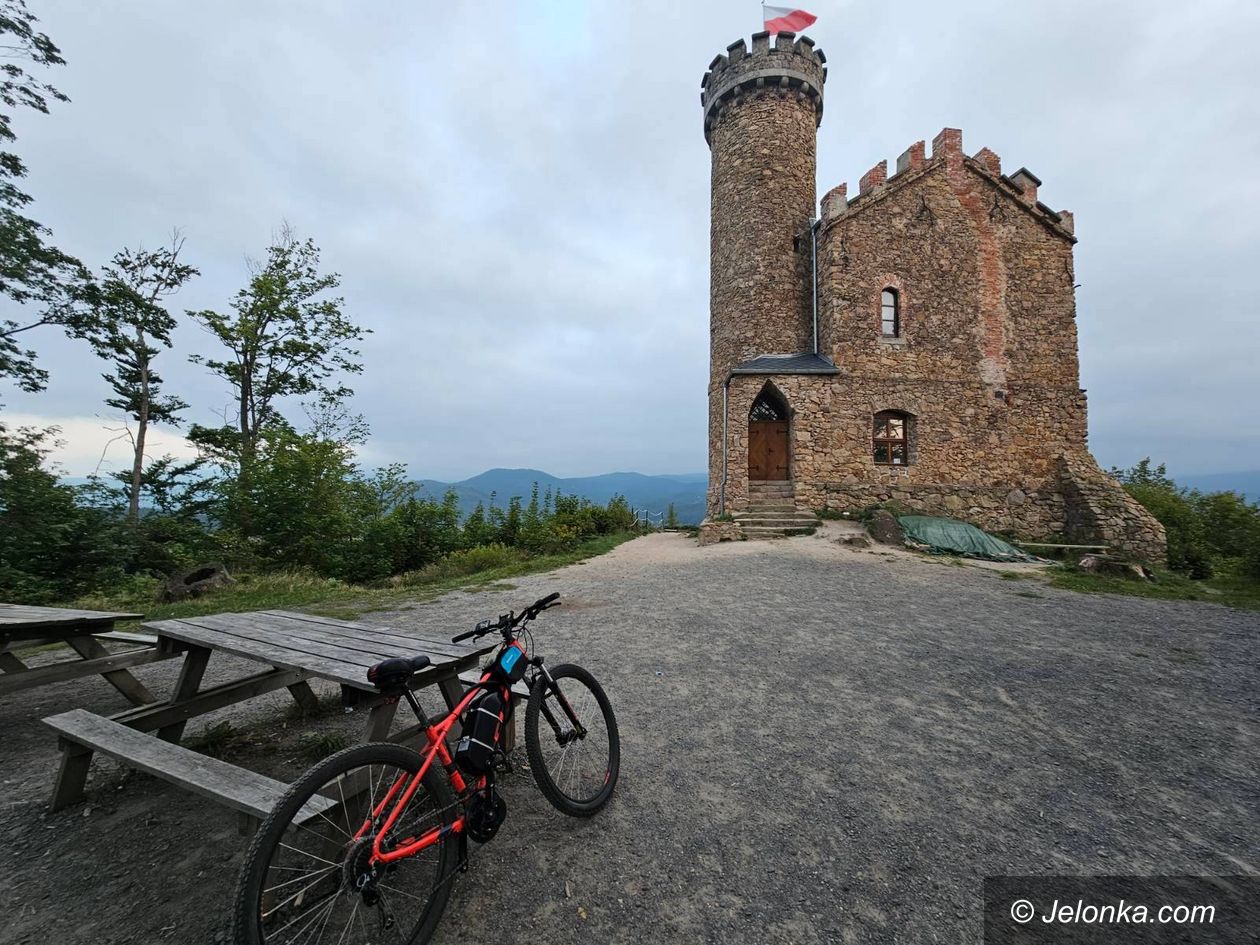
x=890 y=313
x=891 y=442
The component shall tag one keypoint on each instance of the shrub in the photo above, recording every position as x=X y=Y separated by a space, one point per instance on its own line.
x=462 y=563
x=1209 y=533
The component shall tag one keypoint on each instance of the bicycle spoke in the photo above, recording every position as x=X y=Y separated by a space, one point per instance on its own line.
x=314 y=897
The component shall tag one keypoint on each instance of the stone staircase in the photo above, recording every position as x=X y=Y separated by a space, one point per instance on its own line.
x=772 y=511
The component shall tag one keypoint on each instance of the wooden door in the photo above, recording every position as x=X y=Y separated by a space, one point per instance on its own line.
x=768 y=450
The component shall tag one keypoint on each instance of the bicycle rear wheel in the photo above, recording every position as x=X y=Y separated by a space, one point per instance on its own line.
x=575 y=765
x=306 y=878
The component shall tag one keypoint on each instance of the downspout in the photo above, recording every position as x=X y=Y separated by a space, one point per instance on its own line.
x=726 y=386
x=813 y=268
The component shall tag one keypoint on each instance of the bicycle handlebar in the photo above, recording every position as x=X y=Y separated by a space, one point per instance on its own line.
x=509 y=620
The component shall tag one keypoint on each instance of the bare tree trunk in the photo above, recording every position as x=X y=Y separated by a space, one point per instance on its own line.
x=142 y=429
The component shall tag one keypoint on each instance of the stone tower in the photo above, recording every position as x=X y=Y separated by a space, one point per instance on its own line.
x=762 y=108
x=913 y=348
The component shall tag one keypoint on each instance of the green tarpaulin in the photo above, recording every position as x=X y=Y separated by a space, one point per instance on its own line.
x=946 y=536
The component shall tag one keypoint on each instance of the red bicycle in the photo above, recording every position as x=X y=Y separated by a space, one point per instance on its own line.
x=365 y=845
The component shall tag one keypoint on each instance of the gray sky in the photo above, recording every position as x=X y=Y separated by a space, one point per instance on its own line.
x=516 y=196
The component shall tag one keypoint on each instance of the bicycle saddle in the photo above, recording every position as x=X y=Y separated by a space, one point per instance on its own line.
x=395 y=672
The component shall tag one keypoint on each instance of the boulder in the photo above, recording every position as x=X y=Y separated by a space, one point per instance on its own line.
x=855 y=540
x=885 y=528
x=1110 y=566
x=193 y=583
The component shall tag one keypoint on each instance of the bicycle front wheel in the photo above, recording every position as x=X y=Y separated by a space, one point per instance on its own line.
x=572 y=740
x=307 y=875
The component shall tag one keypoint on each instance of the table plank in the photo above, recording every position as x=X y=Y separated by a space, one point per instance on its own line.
x=278 y=632
x=357 y=631
x=26 y=614
x=293 y=644
x=286 y=657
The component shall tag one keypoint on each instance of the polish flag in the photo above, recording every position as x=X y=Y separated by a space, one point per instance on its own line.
x=786 y=19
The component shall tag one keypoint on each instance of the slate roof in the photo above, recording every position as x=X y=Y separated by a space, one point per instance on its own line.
x=787 y=364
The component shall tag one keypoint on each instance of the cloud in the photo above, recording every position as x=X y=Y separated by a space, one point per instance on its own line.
x=519 y=208
x=87 y=445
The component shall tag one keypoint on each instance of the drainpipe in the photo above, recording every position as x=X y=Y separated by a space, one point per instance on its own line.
x=726 y=386
x=813 y=268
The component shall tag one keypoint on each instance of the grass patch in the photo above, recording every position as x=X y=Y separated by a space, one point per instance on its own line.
x=329 y=597
x=220 y=740
x=324 y=705
x=316 y=746
x=1231 y=591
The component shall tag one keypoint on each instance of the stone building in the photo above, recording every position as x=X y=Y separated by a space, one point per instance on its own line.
x=912 y=343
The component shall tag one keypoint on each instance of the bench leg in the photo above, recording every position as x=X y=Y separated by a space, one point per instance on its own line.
x=509 y=732
x=132 y=689
x=304 y=696
x=71 y=776
x=452 y=691
x=379 y=720
x=190 y=674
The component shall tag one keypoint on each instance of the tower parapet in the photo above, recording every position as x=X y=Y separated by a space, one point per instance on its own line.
x=788 y=66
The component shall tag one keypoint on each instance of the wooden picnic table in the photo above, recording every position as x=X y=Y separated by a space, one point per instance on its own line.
x=82 y=631
x=293 y=648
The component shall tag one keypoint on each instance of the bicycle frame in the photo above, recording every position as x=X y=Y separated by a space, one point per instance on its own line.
x=409 y=784
x=405 y=786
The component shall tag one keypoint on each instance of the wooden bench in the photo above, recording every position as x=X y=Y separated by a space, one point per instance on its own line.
x=81 y=733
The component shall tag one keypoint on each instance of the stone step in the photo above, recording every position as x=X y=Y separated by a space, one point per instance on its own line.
x=772 y=506
x=770 y=487
x=758 y=531
x=780 y=523
x=789 y=512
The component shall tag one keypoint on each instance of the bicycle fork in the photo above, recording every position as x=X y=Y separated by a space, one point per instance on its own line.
x=578 y=730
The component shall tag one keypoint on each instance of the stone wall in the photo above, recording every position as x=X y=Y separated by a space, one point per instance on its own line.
x=1097 y=509
x=711 y=532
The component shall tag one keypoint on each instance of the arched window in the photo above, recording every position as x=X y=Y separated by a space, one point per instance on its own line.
x=890 y=313
x=768 y=406
x=891 y=439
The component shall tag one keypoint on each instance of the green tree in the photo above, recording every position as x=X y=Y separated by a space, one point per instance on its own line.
x=51 y=547
x=671 y=516
x=285 y=336
x=1216 y=532
x=304 y=503
x=33 y=273
x=130 y=325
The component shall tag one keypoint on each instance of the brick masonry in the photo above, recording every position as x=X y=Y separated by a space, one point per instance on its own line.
x=986 y=364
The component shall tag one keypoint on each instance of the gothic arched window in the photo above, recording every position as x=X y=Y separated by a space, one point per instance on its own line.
x=890 y=313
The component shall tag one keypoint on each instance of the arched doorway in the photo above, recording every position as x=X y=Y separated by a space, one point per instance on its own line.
x=769 y=450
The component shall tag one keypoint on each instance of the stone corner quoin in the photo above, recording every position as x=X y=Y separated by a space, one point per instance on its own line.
x=978 y=369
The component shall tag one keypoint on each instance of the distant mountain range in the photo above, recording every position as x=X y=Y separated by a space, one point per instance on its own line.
x=653 y=493
x=686 y=491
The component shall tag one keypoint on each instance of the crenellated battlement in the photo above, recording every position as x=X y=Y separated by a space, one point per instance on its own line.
x=946 y=148
x=786 y=66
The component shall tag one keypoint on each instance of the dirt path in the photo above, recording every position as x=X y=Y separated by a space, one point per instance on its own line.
x=819 y=745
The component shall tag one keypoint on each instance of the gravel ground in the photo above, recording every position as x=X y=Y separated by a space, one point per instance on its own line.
x=818 y=745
